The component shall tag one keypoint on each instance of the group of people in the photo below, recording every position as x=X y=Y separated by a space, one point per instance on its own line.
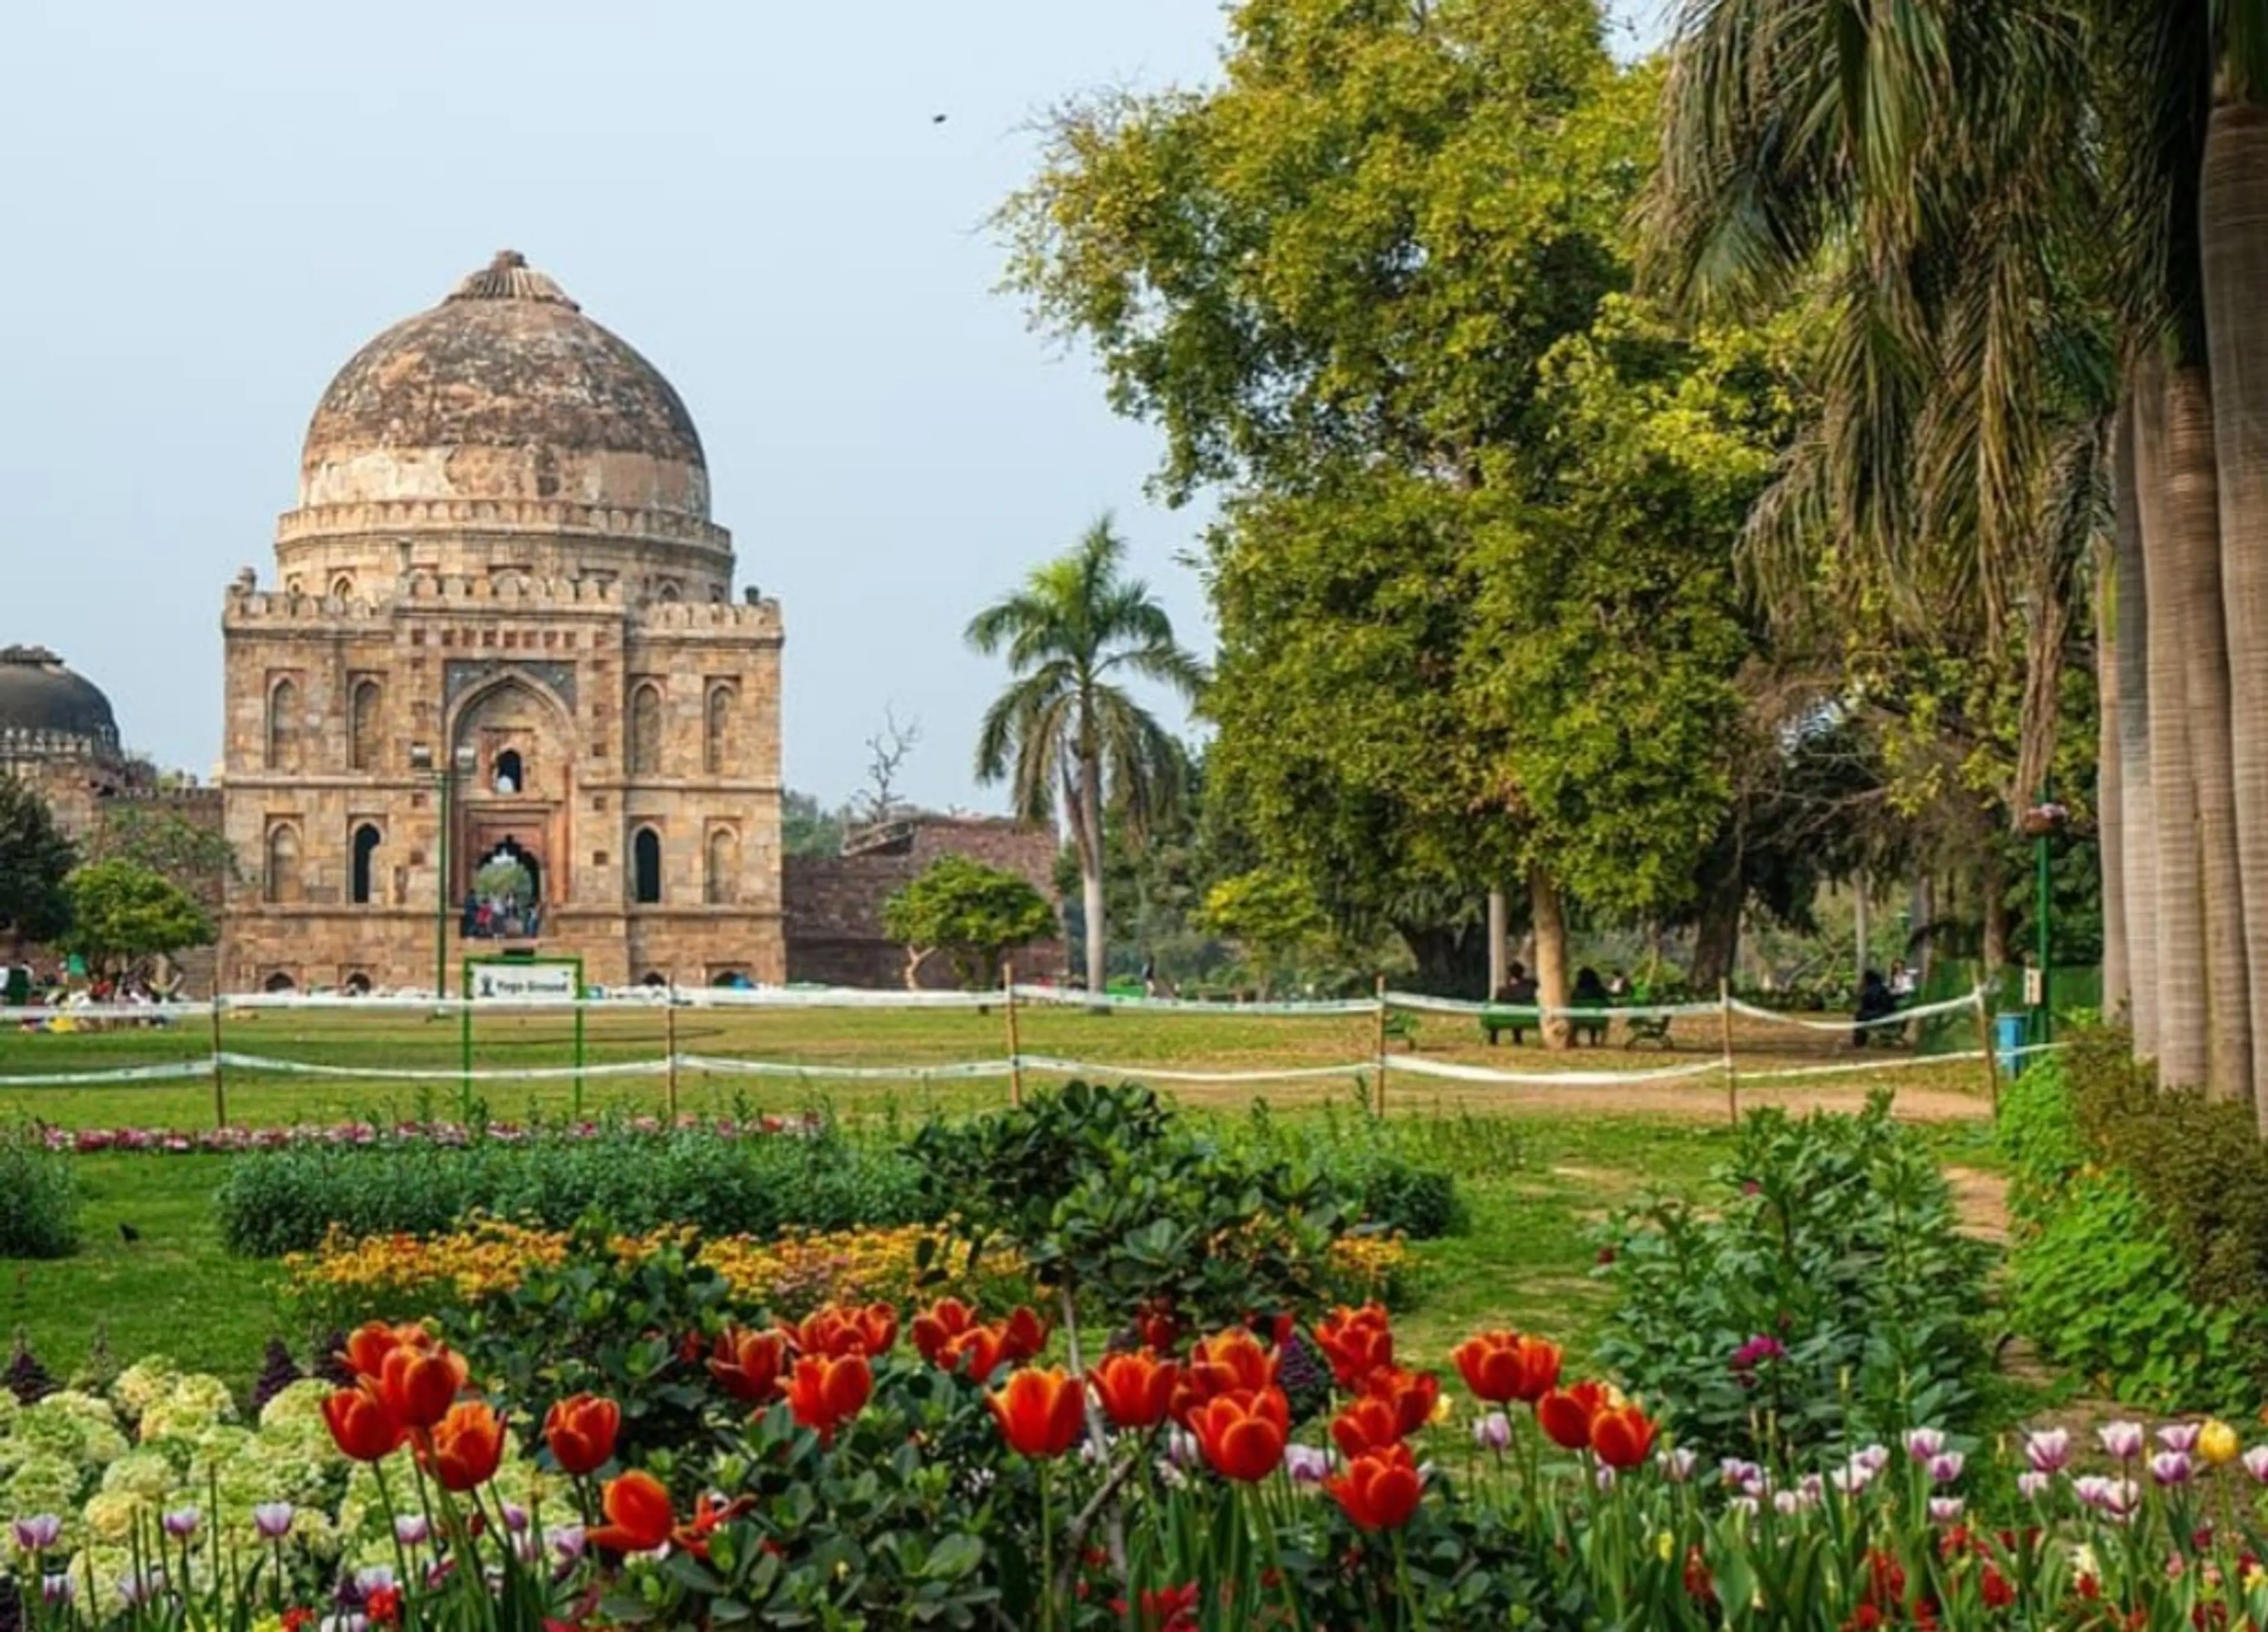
x=492 y=917
x=1881 y=997
x=23 y=986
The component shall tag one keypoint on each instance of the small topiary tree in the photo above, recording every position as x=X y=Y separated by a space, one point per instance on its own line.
x=972 y=914
x=122 y=912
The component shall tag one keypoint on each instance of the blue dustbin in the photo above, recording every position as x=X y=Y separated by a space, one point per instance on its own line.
x=2011 y=1032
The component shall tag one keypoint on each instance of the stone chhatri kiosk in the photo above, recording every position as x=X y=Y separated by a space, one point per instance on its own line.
x=501 y=594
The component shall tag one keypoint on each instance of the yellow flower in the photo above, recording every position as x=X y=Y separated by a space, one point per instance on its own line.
x=1442 y=1410
x=1665 y=1545
x=2254 y=1578
x=2217 y=1443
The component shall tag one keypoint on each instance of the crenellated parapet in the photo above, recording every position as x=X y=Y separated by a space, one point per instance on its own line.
x=548 y=517
x=754 y=618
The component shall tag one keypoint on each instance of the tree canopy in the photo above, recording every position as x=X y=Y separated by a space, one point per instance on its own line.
x=122 y=912
x=972 y=914
x=35 y=859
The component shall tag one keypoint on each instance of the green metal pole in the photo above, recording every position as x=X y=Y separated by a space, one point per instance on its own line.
x=2043 y=894
x=441 y=895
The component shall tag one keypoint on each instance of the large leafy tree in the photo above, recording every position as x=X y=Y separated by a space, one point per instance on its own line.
x=35 y=859
x=123 y=913
x=1067 y=729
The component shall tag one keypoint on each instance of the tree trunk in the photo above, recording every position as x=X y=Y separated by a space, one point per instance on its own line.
x=1496 y=946
x=1090 y=868
x=2234 y=232
x=2193 y=515
x=1922 y=947
x=1717 y=929
x=1550 y=918
x=1862 y=931
x=2184 y=1051
x=2138 y=824
x=2110 y=830
x=1992 y=897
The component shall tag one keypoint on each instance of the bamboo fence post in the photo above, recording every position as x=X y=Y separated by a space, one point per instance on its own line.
x=220 y=1086
x=1991 y=1059
x=670 y=1017
x=1381 y=1026
x=1015 y=1051
x=1725 y=1028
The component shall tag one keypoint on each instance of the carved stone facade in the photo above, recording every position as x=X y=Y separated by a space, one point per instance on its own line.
x=501 y=597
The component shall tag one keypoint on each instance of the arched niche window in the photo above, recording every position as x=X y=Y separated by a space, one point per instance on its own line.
x=717 y=730
x=670 y=592
x=362 y=727
x=283 y=875
x=645 y=867
x=357 y=985
x=510 y=772
x=365 y=855
x=721 y=873
x=284 y=726
x=342 y=587
x=279 y=981
x=646 y=729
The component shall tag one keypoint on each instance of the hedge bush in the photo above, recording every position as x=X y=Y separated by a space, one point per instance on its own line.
x=39 y=1198
x=287 y=1201
x=2139 y=1256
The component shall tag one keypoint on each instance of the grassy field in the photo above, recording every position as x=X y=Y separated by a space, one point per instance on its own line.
x=1538 y=1166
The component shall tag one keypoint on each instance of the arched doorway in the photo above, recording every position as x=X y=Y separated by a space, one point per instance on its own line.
x=366 y=839
x=507 y=888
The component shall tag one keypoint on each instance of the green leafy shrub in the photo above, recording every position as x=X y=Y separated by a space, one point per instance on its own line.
x=2140 y=1225
x=286 y=1201
x=39 y=1199
x=1824 y=1291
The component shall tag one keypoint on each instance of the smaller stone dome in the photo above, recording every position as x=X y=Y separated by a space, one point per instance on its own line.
x=43 y=705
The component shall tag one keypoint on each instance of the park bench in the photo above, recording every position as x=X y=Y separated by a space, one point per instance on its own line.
x=1522 y=1018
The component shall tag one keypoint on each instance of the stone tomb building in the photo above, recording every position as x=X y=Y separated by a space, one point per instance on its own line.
x=501 y=597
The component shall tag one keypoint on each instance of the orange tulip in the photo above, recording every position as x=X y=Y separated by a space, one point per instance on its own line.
x=1379 y=1492
x=835 y=1331
x=1242 y=1432
x=1368 y=1424
x=580 y=1431
x=1023 y=1334
x=1412 y=1395
x=975 y=1353
x=748 y=1365
x=1359 y=1341
x=639 y=1514
x=1621 y=1435
x=362 y=1424
x=1231 y=1362
x=824 y=1394
x=938 y=1324
x=708 y=1514
x=1039 y=1412
x=1565 y=1414
x=421 y=1384
x=368 y=1346
x=466 y=1447
x=1501 y=1367
x=1136 y=1390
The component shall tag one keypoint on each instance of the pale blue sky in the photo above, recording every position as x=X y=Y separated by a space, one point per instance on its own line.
x=210 y=208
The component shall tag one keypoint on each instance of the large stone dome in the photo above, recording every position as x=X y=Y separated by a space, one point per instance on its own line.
x=44 y=705
x=502 y=411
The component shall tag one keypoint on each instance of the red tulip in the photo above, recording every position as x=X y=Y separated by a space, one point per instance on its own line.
x=835 y=1331
x=639 y=1514
x=1023 y=1334
x=938 y=1324
x=1039 y=1412
x=1501 y=1367
x=1621 y=1435
x=362 y=1424
x=748 y=1365
x=1232 y=1361
x=1412 y=1395
x=1368 y=1424
x=824 y=1394
x=1359 y=1341
x=976 y=1353
x=1566 y=1414
x=466 y=1447
x=1379 y=1492
x=1160 y=1326
x=1136 y=1390
x=580 y=1431
x=421 y=1384
x=1242 y=1432
x=366 y=1348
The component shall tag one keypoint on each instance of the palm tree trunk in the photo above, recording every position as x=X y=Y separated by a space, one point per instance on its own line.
x=1549 y=916
x=1090 y=868
x=2193 y=515
x=2117 y=994
x=2234 y=232
x=2138 y=801
x=2183 y=1054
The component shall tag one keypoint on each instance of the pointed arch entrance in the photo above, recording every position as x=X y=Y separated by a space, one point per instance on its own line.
x=514 y=804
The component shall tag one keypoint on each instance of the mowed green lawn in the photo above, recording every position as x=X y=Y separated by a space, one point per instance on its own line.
x=1538 y=1166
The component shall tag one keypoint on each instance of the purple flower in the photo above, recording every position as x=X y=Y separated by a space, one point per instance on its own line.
x=1605 y=1477
x=2255 y=1463
x=1741 y=1475
x=182 y=1522
x=38 y=1532
x=411 y=1529
x=515 y=1516
x=1492 y=1432
x=57 y=1589
x=1873 y=1458
x=1677 y=1465
x=2123 y=1440
x=2034 y=1485
x=2048 y=1450
x=2113 y=1497
x=2181 y=1436
x=1945 y=1467
x=1756 y=1351
x=138 y=1590
x=567 y=1540
x=1182 y=1449
x=1924 y=1442
x=1944 y=1509
x=272 y=1520
x=1852 y=1479
x=2172 y=1467
x=1787 y=1502
x=1306 y=1465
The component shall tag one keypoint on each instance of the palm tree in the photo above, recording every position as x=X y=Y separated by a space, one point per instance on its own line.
x=1062 y=729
